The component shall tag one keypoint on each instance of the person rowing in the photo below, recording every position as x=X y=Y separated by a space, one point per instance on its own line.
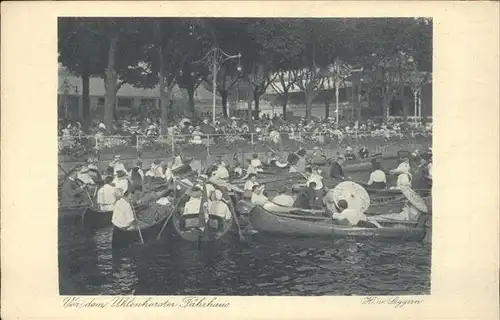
x=377 y=179
x=178 y=161
x=237 y=170
x=106 y=195
x=363 y=153
x=301 y=164
x=117 y=165
x=123 y=218
x=258 y=197
x=250 y=170
x=352 y=217
x=404 y=175
x=336 y=172
x=256 y=163
x=121 y=181
x=136 y=176
x=194 y=204
x=218 y=207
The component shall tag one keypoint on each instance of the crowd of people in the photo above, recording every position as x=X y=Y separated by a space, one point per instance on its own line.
x=227 y=131
x=121 y=184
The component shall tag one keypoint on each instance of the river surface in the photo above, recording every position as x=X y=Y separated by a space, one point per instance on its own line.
x=262 y=265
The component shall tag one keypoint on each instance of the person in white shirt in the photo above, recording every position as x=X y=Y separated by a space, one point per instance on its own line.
x=256 y=163
x=377 y=179
x=258 y=198
x=123 y=213
x=429 y=170
x=121 y=181
x=106 y=195
x=404 y=175
x=169 y=174
x=352 y=217
x=117 y=165
x=237 y=170
x=251 y=182
x=220 y=173
x=194 y=204
x=218 y=207
x=178 y=162
x=313 y=176
x=250 y=170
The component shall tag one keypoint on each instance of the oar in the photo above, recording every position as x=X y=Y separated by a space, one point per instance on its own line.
x=170 y=215
x=233 y=213
x=138 y=227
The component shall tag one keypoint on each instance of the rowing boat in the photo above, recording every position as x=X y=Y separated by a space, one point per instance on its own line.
x=318 y=226
x=150 y=218
x=94 y=219
x=191 y=228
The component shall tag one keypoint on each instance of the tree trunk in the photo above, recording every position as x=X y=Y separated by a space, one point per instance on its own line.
x=111 y=83
x=256 y=98
x=249 y=109
x=86 y=100
x=327 y=108
x=285 y=101
x=190 y=91
x=309 y=99
x=163 y=101
x=385 y=108
x=223 y=96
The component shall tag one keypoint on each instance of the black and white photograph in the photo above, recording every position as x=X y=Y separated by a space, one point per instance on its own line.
x=244 y=156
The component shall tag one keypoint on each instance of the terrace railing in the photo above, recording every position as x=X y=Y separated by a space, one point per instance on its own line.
x=130 y=147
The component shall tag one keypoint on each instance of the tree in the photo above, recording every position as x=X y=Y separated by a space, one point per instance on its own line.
x=272 y=51
x=106 y=47
x=286 y=80
x=79 y=52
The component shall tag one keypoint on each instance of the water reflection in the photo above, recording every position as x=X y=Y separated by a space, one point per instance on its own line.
x=264 y=266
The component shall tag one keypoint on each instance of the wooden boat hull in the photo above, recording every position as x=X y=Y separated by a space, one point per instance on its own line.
x=365 y=164
x=264 y=221
x=95 y=219
x=151 y=218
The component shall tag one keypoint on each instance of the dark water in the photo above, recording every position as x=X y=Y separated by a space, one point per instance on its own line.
x=264 y=265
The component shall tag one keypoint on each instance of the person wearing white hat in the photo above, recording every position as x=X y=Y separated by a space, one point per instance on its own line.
x=258 y=198
x=121 y=181
x=102 y=126
x=194 y=204
x=404 y=175
x=117 y=165
x=218 y=207
x=84 y=176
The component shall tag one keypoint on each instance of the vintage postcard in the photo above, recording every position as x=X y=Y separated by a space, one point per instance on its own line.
x=246 y=160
